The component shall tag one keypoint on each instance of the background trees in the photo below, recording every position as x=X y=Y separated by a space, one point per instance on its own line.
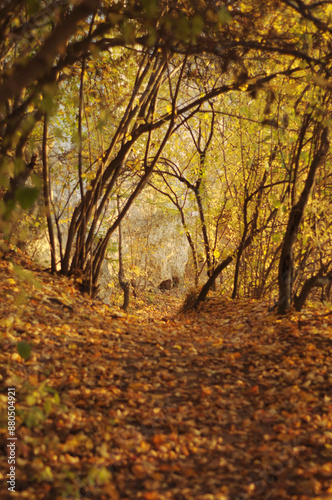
x=105 y=91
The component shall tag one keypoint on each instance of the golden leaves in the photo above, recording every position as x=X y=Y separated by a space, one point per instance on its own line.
x=201 y=401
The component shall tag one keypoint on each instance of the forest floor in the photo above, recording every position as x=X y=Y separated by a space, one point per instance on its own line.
x=228 y=402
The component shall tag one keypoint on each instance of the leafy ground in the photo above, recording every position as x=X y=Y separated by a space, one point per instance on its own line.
x=229 y=402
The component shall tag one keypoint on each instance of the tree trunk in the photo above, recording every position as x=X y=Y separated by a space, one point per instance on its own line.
x=23 y=75
x=125 y=285
x=46 y=183
x=204 y=229
x=191 y=243
x=315 y=281
x=243 y=244
x=219 y=268
x=286 y=263
x=238 y=261
x=212 y=279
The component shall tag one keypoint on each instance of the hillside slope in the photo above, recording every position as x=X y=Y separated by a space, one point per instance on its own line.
x=225 y=403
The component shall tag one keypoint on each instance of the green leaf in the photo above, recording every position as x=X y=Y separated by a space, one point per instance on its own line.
x=24 y=349
x=197 y=25
x=33 y=6
x=26 y=196
x=19 y=166
x=47 y=474
x=48 y=103
x=224 y=15
x=34 y=417
x=129 y=32
x=182 y=29
x=48 y=406
x=30 y=400
x=151 y=8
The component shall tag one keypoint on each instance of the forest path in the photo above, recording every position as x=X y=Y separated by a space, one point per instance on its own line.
x=225 y=403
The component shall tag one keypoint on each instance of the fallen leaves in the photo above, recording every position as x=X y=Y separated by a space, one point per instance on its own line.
x=229 y=402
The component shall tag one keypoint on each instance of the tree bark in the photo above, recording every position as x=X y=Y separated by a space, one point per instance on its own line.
x=125 y=285
x=46 y=182
x=315 y=281
x=243 y=244
x=219 y=268
x=286 y=263
x=53 y=46
x=210 y=282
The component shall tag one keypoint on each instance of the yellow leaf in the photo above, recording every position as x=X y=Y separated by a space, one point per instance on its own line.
x=33 y=379
x=151 y=495
x=139 y=471
x=144 y=446
x=16 y=357
x=89 y=444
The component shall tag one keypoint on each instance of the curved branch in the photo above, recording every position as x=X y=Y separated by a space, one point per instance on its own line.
x=53 y=46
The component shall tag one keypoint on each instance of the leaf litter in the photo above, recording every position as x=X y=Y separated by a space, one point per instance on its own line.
x=228 y=402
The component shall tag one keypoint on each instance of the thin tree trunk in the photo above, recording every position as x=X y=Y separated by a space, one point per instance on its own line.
x=81 y=236
x=101 y=249
x=286 y=264
x=192 y=247
x=238 y=260
x=220 y=267
x=211 y=281
x=315 y=281
x=46 y=182
x=94 y=202
x=254 y=220
x=38 y=66
x=204 y=230
x=125 y=285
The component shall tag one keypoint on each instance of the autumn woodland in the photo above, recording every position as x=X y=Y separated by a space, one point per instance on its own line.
x=166 y=249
